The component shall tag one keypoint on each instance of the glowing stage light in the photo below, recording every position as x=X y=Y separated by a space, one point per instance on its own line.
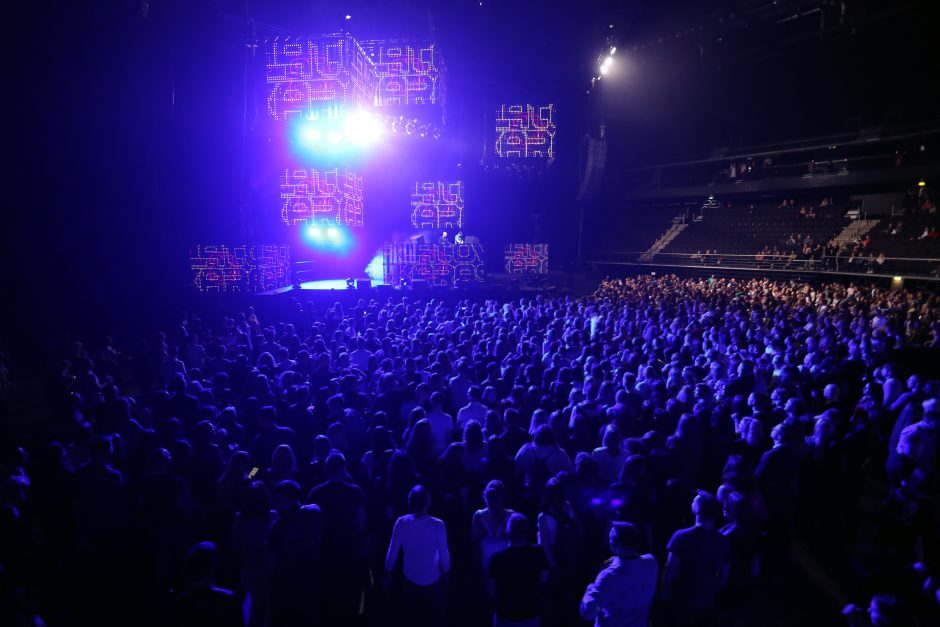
x=362 y=128
x=327 y=238
x=921 y=183
x=604 y=69
x=613 y=49
x=310 y=135
x=334 y=137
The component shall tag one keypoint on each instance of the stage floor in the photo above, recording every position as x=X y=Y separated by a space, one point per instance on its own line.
x=322 y=285
x=493 y=283
x=330 y=284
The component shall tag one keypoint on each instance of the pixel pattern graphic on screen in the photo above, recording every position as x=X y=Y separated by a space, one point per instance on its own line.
x=437 y=205
x=311 y=196
x=438 y=264
x=306 y=74
x=526 y=258
x=407 y=72
x=525 y=131
x=241 y=268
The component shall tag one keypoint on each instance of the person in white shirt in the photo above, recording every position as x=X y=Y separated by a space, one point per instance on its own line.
x=623 y=592
x=442 y=423
x=360 y=356
x=473 y=410
x=423 y=540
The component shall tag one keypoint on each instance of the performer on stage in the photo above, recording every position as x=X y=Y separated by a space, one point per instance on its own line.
x=443 y=239
x=458 y=239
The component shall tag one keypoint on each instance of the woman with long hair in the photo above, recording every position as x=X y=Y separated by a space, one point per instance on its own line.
x=283 y=466
x=488 y=527
x=420 y=448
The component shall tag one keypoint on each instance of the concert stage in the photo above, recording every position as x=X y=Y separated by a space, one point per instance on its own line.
x=358 y=182
x=321 y=286
x=494 y=284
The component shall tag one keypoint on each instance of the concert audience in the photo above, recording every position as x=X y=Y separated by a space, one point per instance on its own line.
x=267 y=473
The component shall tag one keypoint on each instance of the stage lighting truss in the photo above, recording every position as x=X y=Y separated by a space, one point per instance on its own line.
x=605 y=61
x=530 y=169
x=402 y=126
x=359 y=129
x=332 y=129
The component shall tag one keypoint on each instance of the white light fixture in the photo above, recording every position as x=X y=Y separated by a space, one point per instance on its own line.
x=613 y=49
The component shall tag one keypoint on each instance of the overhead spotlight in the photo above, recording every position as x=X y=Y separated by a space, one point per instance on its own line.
x=922 y=183
x=348 y=17
x=315 y=232
x=603 y=70
x=613 y=49
x=334 y=137
x=608 y=61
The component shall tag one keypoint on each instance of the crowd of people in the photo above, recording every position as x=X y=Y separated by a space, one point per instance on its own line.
x=666 y=451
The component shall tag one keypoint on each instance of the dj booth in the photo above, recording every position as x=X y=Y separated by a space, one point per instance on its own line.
x=446 y=265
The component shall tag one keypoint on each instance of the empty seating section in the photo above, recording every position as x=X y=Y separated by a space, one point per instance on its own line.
x=749 y=229
x=909 y=236
x=639 y=227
